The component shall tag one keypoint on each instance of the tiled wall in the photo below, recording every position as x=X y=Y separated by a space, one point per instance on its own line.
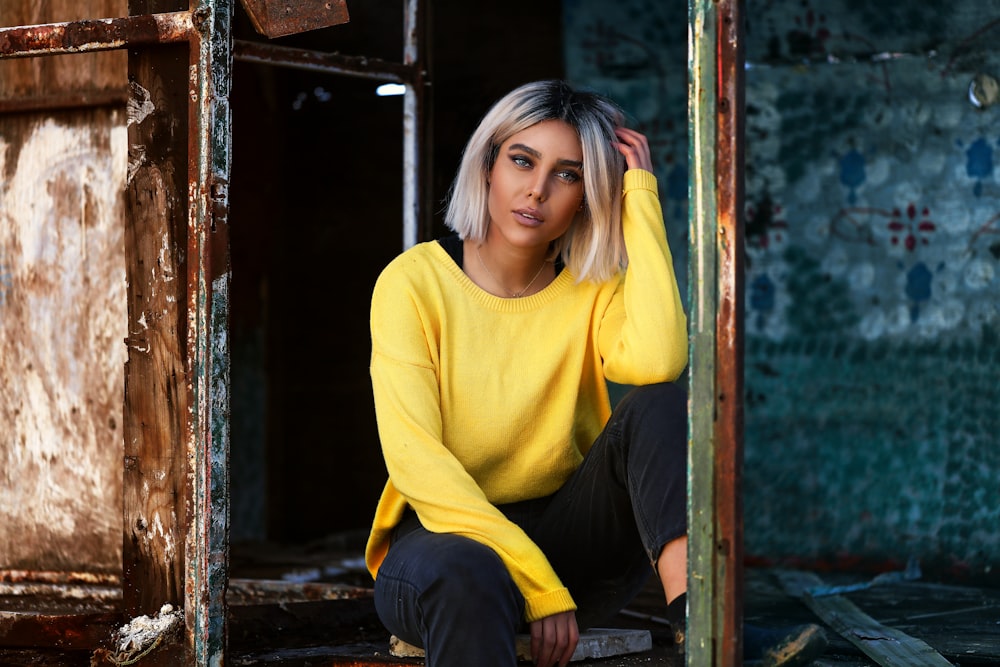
x=873 y=242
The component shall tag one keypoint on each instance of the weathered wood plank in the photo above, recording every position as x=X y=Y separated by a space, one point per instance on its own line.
x=62 y=310
x=61 y=325
x=593 y=644
x=888 y=646
x=157 y=392
x=80 y=631
x=86 y=73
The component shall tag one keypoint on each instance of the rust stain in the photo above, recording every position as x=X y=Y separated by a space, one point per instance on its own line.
x=729 y=326
x=277 y=18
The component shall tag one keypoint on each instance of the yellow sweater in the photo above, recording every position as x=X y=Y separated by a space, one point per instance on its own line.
x=482 y=400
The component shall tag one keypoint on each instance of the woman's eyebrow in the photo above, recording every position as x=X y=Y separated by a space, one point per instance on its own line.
x=527 y=149
x=531 y=151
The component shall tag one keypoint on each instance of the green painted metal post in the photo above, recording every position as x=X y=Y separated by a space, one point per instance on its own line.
x=715 y=549
x=702 y=589
x=209 y=272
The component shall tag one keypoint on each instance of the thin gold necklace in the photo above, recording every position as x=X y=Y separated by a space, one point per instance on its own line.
x=514 y=295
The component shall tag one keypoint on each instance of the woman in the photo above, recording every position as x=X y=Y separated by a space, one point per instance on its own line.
x=515 y=496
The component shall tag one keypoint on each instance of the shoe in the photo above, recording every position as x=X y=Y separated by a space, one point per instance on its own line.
x=782 y=647
x=678 y=636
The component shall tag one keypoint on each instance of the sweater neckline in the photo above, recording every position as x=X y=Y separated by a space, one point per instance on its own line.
x=506 y=304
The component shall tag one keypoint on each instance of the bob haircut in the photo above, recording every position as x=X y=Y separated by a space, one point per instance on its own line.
x=593 y=248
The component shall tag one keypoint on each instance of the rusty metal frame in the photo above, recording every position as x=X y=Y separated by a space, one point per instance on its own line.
x=209 y=276
x=206 y=28
x=86 y=36
x=715 y=506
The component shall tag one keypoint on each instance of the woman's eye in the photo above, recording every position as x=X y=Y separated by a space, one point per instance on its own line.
x=569 y=176
x=521 y=161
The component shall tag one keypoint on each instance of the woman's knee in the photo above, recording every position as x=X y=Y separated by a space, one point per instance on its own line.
x=428 y=577
x=665 y=397
x=657 y=409
x=470 y=575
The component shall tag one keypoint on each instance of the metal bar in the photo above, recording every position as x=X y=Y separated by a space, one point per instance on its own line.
x=206 y=570
x=49 y=39
x=425 y=161
x=729 y=249
x=702 y=583
x=317 y=61
x=411 y=127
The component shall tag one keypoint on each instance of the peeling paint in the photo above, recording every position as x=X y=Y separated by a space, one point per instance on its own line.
x=159 y=532
x=140 y=104
x=165 y=265
x=136 y=158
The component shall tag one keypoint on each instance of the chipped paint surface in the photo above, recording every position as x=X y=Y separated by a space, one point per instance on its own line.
x=140 y=636
x=140 y=106
x=62 y=322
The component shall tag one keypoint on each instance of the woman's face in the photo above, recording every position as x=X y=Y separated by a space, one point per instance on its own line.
x=536 y=185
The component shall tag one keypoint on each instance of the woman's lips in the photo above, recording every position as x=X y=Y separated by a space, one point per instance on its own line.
x=529 y=216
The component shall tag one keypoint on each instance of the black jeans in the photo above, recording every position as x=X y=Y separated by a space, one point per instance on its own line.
x=601 y=531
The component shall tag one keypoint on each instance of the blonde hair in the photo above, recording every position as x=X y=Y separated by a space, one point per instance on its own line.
x=593 y=248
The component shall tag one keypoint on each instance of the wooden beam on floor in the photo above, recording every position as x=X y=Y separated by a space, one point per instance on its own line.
x=83 y=631
x=593 y=644
x=885 y=645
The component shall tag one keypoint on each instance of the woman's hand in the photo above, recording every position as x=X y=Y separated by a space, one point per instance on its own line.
x=634 y=146
x=553 y=639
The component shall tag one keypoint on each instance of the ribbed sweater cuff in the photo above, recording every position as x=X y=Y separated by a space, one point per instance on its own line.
x=547 y=604
x=639 y=179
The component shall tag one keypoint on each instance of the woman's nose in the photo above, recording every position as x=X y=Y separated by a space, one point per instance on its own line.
x=537 y=191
